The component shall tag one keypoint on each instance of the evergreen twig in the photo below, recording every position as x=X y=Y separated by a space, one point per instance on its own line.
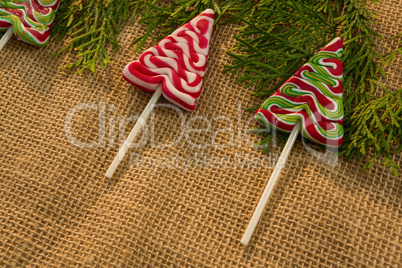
x=376 y=124
x=92 y=25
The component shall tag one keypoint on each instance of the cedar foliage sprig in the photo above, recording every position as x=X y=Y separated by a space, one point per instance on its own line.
x=280 y=36
x=367 y=125
x=376 y=124
x=92 y=25
x=362 y=63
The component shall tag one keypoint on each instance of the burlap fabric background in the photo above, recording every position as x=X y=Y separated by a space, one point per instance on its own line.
x=58 y=209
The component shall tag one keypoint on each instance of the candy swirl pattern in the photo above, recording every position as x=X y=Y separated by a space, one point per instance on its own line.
x=177 y=63
x=31 y=21
x=314 y=96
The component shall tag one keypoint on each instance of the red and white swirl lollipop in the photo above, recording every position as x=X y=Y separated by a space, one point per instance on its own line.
x=174 y=67
x=177 y=63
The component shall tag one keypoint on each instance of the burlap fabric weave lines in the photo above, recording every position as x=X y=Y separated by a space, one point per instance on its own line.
x=58 y=210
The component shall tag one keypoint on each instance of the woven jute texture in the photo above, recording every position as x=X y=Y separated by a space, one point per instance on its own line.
x=185 y=194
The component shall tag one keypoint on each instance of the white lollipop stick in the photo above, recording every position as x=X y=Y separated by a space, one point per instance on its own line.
x=271 y=183
x=140 y=123
x=6 y=37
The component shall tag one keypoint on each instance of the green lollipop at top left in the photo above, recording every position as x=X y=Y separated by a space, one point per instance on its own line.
x=30 y=20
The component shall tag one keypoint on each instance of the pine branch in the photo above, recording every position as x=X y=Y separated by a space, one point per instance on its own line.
x=92 y=26
x=362 y=71
x=361 y=60
x=378 y=125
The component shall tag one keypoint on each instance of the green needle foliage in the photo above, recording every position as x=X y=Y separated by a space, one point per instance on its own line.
x=92 y=25
x=376 y=124
x=276 y=41
x=361 y=60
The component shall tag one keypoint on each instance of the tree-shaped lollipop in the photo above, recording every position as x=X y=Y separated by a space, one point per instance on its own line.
x=30 y=20
x=311 y=100
x=174 y=67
